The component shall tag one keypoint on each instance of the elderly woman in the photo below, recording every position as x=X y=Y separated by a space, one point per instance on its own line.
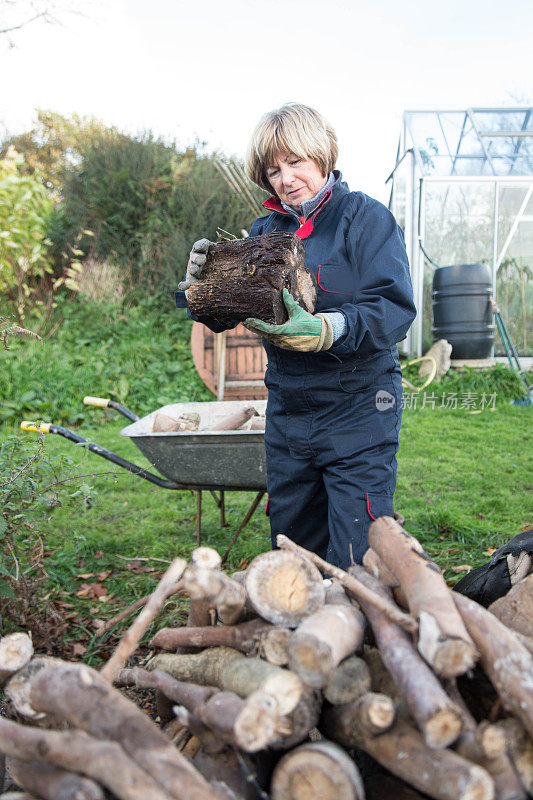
x=333 y=377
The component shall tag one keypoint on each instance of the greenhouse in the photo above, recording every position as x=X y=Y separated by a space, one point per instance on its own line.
x=462 y=190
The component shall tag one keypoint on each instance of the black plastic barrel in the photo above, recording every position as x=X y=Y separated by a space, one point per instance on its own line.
x=461 y=309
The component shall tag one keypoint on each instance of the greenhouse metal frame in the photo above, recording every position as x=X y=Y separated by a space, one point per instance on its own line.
x=462 y=190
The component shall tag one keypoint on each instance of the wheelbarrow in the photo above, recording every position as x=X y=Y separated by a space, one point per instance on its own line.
x=202 y=460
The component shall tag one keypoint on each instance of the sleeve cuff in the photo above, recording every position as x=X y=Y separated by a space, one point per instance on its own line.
x=338 y=323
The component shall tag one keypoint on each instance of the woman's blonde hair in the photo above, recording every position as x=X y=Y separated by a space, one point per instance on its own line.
x=293 y=128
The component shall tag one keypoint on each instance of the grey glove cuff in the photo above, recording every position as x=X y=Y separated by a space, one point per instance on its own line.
x=338 y=323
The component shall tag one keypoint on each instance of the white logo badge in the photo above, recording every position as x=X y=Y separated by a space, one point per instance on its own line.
x=384 y=400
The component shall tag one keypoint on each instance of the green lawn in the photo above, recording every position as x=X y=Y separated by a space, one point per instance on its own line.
x=464 y=479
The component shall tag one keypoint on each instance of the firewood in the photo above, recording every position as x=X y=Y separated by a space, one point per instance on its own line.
x=129 y=641
x=375 y=567
x=382 y=680
x=18 y=796
x=383 y=786
x=232 y=671
x=257 y=424
x=515 y=609
x=437 y=717
x=104 y=761
x=508 y=664
x=84 y=699
x=318 y=769
x=284 y=588
x=16 y=650
x=351 y=585
x=165 y=424
x=225 y=772
x=441 y=774
x=293 y=728
x=519 y=749
x=273 y=645
x=371 y=714
x=53 y=783
x=235 y=421
x=323 y=640
x=245 y=278
x=350 y=680
x=245 y=636
x=215 y=587
x=18 y=688
x=442 y=638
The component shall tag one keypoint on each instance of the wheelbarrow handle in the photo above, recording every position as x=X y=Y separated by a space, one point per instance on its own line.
x=48 y=427
x=105 y=402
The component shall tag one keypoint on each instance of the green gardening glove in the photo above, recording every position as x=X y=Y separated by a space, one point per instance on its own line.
x=302 y=331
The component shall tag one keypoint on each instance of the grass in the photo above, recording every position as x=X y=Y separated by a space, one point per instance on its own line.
x=464 y=476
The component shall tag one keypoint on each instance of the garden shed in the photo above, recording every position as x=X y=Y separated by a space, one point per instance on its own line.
x=462 y=190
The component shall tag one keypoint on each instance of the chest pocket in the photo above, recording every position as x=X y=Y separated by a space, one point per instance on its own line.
x=335 y=285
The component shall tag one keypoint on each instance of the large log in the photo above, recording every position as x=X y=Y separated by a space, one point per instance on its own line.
x=232 y=671
x=323 y=640
x=442 y=638
x=350 y=680
x=246 y=278
x=506 y=661
x=213 y=586
x=435 y=714
x=441 y=774
x=16 y=650
x=53 y=783
x=319 y=769
x=520 y=750
x=284 y=588
x=83 y=698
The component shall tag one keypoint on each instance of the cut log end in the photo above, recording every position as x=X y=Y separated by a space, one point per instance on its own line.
x=284 y=588
x=320 y=770
x=16 y=650
x=311 y=659
x=255 y=726
x=442 y=729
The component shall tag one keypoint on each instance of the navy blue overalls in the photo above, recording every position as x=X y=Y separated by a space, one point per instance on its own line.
x=333 y=417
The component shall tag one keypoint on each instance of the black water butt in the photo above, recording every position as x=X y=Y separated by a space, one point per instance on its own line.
x=461 y=309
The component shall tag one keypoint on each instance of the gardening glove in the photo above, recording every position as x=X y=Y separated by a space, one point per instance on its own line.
x=303 y=331
x=197 y=258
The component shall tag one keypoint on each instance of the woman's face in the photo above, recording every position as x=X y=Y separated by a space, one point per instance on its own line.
x=295 y=180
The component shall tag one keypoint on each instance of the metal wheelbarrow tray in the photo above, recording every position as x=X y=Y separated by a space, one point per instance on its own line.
x=194 y=460
x=205 y=459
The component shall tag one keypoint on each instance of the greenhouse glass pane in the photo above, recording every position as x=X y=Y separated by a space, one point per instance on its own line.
x=500 y=120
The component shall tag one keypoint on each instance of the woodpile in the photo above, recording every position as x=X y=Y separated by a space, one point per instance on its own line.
x=306 y=687
x=246 y=418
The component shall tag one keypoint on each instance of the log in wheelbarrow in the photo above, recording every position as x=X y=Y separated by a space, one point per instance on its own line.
x=202 y=460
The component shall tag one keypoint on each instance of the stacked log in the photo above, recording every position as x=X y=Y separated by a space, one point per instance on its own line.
x=283 y=697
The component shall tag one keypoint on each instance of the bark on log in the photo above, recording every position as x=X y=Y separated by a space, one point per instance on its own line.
x=442 y=638
x=245 y=278
x=351 y=585
x=53 y=783
x=437 y=717
x=129 y=641
x=84 y=699
x=165 y=424
x=375 y=567
x=441 y=774
x=104 y=761
x=245 y=637
x=515 y=609
x=16 y=651
x=506 y=661
x=323 y=640
x=18 y=688
x=293 y=728
x=232 y=671
x=320 y=769
x=350 y=680
x=225 y=772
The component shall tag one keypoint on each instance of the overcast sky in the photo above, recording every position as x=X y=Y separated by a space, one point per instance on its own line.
x=210 y=68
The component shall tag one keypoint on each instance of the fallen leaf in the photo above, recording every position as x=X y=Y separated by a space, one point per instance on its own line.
x=244 y=563
x=99 y=554
x=480 y=516
x=490 y=550
x=103 y=575
x=462 y=568
x=454 y=550
x=85 y=575
x=78 y=649
x=91 y=590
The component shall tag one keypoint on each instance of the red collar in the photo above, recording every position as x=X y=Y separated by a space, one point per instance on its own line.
x=306 y=225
